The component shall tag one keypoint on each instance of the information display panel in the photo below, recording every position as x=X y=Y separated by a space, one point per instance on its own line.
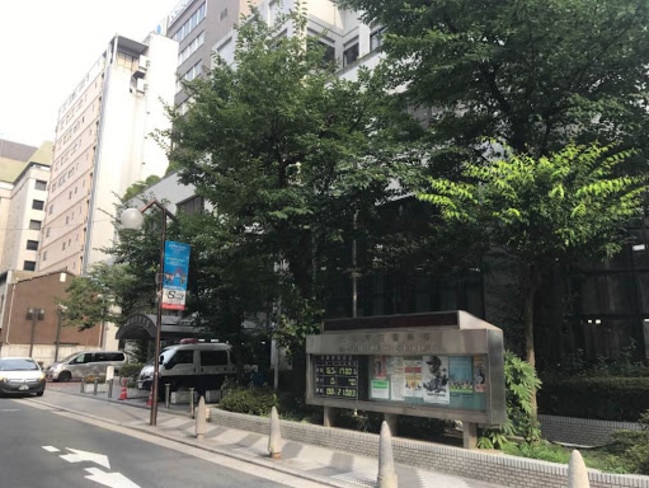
x=336 y=376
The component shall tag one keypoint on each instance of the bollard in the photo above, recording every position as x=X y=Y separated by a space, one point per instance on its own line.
x=191 y=401
x=577 y=474
x=387 y=476
x=95 y=387
x=110 y=388
x=201 y=419
x=83 y=384
x=275 y=438
x=167 y=394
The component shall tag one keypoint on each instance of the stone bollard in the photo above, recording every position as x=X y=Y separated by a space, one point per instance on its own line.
x=201 y=419
x=191 y=401
x=95 y=387
x=275 y=438
x=577 y=473
x=387 y=475
x=110 y=388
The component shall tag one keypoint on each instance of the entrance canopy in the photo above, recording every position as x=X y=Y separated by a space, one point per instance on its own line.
x=142 y=326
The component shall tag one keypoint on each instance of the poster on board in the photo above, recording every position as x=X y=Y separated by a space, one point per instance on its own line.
x=460 y=374
x=479 y=374
x=435 y=379
x=412 y=373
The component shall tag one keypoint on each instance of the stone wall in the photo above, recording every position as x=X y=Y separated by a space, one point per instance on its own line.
x=497 y=468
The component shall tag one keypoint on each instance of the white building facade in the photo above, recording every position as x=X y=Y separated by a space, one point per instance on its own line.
x=104 y=143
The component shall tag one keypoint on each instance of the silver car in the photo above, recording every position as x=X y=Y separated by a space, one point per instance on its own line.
x=21 y=375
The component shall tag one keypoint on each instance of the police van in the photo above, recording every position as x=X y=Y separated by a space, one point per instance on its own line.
x=200 y=365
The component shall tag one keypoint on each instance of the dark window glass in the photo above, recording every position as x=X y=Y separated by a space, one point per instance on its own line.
x=29 y=265
x=350 y=54
x=191 y=206
x=38 y=204
x=183 y=357
x=40 y=185
x=32 y=245
x=214 y=358
x=35 y=224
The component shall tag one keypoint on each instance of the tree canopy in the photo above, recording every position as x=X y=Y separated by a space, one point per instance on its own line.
x=288 y=153
x=534 y=74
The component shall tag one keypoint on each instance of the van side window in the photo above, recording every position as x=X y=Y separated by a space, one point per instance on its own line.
x=113 y=356
x=181 y=357
x=214 y=358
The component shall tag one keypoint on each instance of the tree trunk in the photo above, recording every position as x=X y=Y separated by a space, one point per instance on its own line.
x=528 y=324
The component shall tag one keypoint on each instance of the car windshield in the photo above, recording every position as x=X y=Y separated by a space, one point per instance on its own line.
x=67 y=358
x=18 y=364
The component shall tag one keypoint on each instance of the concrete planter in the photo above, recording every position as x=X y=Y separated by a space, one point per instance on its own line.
x=90 y=388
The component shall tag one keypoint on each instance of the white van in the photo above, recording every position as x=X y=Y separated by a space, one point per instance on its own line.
x=82 y=364
x=203 y=366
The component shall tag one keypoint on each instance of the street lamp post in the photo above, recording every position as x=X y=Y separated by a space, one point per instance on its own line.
x=34 y=314
x=132 y=218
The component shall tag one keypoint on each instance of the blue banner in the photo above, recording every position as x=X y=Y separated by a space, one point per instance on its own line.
x=174 y=277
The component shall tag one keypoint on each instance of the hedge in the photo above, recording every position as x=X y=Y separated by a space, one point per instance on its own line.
x=600 y=398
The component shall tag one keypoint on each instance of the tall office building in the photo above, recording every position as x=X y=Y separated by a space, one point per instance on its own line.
x=104 y=144
x=22 y=203
x=197 y=25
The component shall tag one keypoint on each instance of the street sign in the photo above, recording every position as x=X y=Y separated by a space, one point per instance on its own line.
x=174 y=277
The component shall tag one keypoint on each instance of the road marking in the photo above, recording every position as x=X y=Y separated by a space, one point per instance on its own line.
x=78 y=456
x=10 y=410
x=112 y=480
x=50 y=448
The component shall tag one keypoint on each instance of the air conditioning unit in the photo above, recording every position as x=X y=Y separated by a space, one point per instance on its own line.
x=142 y=67
x=141 y=85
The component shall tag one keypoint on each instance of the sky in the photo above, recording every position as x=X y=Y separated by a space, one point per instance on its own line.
x=47 y=46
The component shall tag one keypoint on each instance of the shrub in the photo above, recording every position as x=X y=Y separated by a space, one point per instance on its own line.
x=253 y=401
x=130 y=370
x=520 y=384
x=601 y=398
x=633 y=446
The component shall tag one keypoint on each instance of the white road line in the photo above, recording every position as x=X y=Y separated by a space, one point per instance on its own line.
x=50 y=448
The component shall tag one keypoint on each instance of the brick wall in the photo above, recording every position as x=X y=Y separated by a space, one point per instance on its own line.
x=495 y=468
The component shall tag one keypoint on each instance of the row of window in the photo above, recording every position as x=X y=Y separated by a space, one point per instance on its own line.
x=191 y=48
x=191 y=24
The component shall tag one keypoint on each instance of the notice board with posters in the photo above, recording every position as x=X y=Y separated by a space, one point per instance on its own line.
x=441 y=365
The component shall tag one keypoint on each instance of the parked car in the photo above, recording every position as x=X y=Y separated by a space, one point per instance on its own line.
x=21 y=375
x=81 y=364
x=202 y=365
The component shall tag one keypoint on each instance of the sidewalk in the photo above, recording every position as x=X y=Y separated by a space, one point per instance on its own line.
x=314 y=463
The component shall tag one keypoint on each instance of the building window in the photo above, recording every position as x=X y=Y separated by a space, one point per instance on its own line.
x=376 y=39
x=191 y=206
x=45 y=256
x=47 y=232
x=35 y=225
x=29 y=265
x=40 y=185
x=38 y=204
x=32 y=245
x=63 y=246
x=350 y=54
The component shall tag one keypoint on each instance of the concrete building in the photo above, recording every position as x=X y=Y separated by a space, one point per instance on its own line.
x=22 y=212
x=104 y=143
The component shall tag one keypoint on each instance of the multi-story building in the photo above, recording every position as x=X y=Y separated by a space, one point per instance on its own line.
x=25 y=212
x=24 y=175
x=197 y=25
x=104 y=143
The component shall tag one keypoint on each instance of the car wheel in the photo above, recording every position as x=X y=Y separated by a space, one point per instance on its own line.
x=39 y=393
x=65 y=376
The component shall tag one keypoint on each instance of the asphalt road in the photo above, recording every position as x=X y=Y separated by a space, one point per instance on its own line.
x=44 y=447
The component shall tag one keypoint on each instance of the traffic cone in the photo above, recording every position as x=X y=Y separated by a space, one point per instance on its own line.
x=149 y=401
x=123 y=395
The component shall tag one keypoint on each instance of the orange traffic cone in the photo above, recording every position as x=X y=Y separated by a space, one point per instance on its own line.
x=123 y=395
x=149 y=401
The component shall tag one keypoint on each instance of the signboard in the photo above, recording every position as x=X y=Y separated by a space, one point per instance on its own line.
x=174 y=281
x=336 y=377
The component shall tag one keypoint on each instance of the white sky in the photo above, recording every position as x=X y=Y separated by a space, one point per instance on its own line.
x=47 y=46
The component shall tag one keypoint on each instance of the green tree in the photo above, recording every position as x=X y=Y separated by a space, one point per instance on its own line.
x=97 y=298
x=288 y=153
x=535 y=74
x=540 y=210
